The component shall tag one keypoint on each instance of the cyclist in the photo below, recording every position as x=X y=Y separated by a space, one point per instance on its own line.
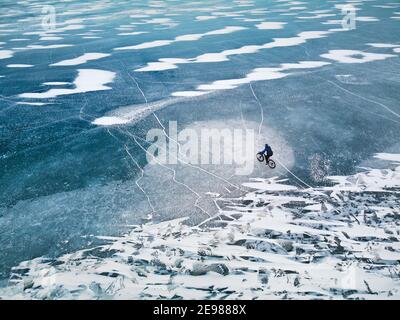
x=268 y=152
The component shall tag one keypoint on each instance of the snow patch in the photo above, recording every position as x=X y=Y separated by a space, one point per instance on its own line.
x=5 y=54
x=21 y=65
x=270 y=25
x=82 y=59
x=355 y=56
x=88 y=80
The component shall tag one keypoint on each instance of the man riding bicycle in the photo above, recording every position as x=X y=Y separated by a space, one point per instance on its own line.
x=267 y=152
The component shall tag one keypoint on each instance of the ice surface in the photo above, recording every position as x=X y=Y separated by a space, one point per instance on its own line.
x=302 y=37
x=275 y=242
x=187 y=37
x=75 y=173
x=262 y=74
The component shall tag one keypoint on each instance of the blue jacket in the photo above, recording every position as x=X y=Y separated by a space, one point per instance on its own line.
x=267 y=149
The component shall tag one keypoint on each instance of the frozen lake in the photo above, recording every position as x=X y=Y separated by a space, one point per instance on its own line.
x=78 y=98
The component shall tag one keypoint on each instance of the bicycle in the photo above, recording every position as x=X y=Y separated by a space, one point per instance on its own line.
x=261 y=157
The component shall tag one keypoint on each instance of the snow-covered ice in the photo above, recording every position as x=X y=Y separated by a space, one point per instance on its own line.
x=277 y=241
x=88 y=80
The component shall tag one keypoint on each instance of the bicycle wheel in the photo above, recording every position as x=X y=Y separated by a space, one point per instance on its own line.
x=271 y=164
x=260 y=157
